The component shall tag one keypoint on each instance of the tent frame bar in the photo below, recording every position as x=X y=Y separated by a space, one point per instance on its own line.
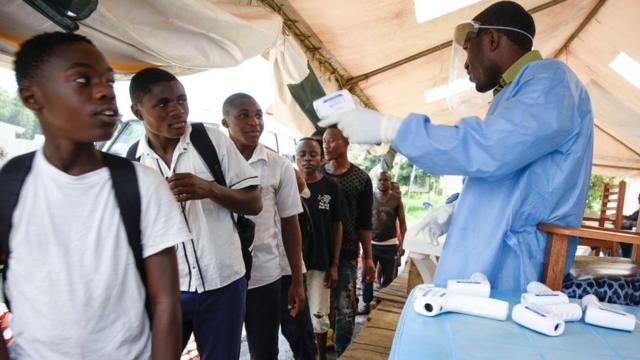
x=296 y=26
x=359 y=78
x=579 y=29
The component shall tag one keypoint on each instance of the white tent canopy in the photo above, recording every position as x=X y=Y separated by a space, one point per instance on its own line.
x=186 y=35
x=377 y=49
x=381 y=52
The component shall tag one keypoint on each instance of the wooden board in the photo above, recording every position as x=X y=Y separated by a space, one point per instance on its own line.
x=375 y=339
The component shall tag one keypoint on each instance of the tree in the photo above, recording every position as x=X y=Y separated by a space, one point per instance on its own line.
x=594 y=196
x=13 y=112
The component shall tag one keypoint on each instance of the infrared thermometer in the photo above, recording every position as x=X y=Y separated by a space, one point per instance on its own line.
x=434 y=301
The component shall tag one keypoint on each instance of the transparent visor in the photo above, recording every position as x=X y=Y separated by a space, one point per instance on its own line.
x=462 y=97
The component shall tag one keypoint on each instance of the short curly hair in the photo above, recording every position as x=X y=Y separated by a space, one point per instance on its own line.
x=142 y=81
x=510 y=14
x=229 y=101
x=36 y=51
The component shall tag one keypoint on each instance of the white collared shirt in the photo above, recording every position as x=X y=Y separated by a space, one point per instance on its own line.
x=213 y=258
x=280 y=199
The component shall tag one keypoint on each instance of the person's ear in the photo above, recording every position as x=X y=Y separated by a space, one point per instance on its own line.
x=29 y=98
x=493 y=38
x=135 y=109
x=225 y=123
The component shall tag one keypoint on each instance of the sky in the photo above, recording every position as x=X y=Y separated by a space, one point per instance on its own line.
x=206 y=91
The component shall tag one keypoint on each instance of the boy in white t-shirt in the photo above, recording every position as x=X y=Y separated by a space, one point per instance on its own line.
x=73 y=284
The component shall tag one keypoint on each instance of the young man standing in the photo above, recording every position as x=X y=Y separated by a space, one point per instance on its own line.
x=72 y=279
x=358 y=198
x=212 y=282
x=277 y=222
x=322 y=253
x=388 y=211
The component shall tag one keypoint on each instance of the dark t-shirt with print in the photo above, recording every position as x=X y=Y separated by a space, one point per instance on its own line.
x=357 y=191
x=324 y=206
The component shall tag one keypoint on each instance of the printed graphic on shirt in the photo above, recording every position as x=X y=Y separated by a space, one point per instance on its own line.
x=323 y=201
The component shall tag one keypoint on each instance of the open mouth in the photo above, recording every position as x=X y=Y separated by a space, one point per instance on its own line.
x=110 y=114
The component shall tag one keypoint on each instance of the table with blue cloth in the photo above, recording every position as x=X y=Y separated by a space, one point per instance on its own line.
x=458 y=336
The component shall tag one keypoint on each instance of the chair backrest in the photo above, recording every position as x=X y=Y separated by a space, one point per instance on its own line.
x=612 y=205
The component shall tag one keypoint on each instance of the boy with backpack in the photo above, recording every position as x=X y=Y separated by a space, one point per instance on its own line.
x=277 y=223
x=212 y=271
x=322 y=253
x=86 y=236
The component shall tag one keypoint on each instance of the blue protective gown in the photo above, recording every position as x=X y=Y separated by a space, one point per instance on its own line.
x=527 y=162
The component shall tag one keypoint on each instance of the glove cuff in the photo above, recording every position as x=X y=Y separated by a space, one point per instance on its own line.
x=389 y=128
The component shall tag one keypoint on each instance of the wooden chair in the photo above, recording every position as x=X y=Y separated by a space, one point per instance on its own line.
x=558 y=243
x=610 y=217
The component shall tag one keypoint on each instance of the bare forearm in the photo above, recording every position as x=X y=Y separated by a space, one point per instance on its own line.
x=164 y=298
x=402 y=221
x=166 y=331
x=365 y=242
x=247 y=201
x=337 y=228
x=291 y=239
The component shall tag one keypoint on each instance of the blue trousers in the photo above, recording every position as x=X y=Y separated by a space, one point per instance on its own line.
x=344 y=309
x=262 y=321
x=215 y=318
x=299 y=330
x=385 y=255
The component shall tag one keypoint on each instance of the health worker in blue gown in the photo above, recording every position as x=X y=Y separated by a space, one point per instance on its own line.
x=527 y=162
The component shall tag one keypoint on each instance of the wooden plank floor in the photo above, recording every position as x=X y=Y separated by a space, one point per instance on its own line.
x=374 y=341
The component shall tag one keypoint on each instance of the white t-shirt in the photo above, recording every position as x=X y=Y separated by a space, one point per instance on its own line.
x=280 y=199
x=213 y=258
x=73 y=284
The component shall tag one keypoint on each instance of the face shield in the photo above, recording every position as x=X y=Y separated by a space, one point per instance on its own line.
x=462 y=97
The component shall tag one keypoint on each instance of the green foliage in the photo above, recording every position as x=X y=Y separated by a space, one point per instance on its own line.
x=594 y=196
x=424 y=188
x=369 y=162
x=13 y=112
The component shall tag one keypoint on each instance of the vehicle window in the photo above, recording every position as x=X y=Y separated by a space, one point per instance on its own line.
x=127 y=133
x=269 y=140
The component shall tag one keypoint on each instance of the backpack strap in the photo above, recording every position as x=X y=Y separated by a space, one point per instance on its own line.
x=207 y=151
x=12 y=177
x=133 y=150
x=125 y=186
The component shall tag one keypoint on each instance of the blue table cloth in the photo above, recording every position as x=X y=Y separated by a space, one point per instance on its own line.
x=457 y=336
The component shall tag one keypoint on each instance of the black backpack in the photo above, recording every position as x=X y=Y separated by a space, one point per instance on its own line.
x=207 y=151
x=125 y=186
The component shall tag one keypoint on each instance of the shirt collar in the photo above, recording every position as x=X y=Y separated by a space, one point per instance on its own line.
x=260 y=153
x=515 y=68
x=145 y=149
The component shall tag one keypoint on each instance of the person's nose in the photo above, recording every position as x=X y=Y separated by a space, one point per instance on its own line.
x=253 y=121
x=176 y=109
x=104 y=89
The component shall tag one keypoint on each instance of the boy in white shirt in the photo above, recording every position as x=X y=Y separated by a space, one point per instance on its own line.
x=212 y=272
x=72 y=282
x=278 y=221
